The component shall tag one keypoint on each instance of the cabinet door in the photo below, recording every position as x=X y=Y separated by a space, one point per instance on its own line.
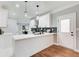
x=44 y=20
x=3 y=18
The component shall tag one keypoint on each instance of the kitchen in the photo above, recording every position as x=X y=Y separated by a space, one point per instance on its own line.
x=32 y=26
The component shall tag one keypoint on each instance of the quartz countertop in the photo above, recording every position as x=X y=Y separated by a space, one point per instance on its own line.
x=26 y=36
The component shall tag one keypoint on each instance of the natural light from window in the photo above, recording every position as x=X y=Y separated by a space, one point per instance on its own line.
x=65 y=25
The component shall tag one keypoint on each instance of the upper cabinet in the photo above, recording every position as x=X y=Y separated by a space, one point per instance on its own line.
x=44 y=20
x=3 y=17
x=32 y=24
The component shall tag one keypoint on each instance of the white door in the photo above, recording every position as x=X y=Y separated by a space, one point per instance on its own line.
x=67 y=30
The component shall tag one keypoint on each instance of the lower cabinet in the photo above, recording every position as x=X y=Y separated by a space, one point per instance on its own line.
x=30 y=46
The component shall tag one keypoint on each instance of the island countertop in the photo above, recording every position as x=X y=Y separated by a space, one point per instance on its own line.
x=26 y=36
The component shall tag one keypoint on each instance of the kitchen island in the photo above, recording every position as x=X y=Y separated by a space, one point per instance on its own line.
x=27 y=45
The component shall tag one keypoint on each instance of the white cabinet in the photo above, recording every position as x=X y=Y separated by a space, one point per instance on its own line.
x=44 y=20
x=12 y=26
x=6 y=45
x=3 y=18
x=32 y=24
x=27 y=45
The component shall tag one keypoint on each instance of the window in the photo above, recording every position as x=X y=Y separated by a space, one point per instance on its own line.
x=65 y=25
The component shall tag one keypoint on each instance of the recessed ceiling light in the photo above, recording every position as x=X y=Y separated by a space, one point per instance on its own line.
x=17 y=5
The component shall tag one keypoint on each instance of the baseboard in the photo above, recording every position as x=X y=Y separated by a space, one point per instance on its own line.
x=56 y=44
x=41 y=50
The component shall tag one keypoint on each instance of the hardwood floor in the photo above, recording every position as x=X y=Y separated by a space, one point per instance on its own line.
x=56 y=51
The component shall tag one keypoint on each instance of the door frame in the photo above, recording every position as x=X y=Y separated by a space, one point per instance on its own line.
x=74 y=29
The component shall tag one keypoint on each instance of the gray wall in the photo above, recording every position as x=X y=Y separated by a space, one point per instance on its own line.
x=69 y=10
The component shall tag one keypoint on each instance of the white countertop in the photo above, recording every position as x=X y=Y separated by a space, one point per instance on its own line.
x=26 y=36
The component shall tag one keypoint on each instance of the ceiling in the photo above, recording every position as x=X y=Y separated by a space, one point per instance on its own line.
x=44 y=6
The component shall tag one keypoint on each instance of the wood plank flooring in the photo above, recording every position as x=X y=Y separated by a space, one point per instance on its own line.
x=56 y=51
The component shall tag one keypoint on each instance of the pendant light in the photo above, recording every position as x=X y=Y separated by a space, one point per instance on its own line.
x=37 y=12
x=25 y=10
x=37 y=16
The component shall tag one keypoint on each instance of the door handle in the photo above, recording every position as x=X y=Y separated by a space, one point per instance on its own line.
x=72 y=34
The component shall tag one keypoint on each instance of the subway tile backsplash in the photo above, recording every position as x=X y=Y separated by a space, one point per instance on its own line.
x=44 y=29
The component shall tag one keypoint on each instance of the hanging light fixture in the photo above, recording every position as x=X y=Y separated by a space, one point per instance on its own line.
x=25 y=10
x=37 y=16
x=37 y=12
